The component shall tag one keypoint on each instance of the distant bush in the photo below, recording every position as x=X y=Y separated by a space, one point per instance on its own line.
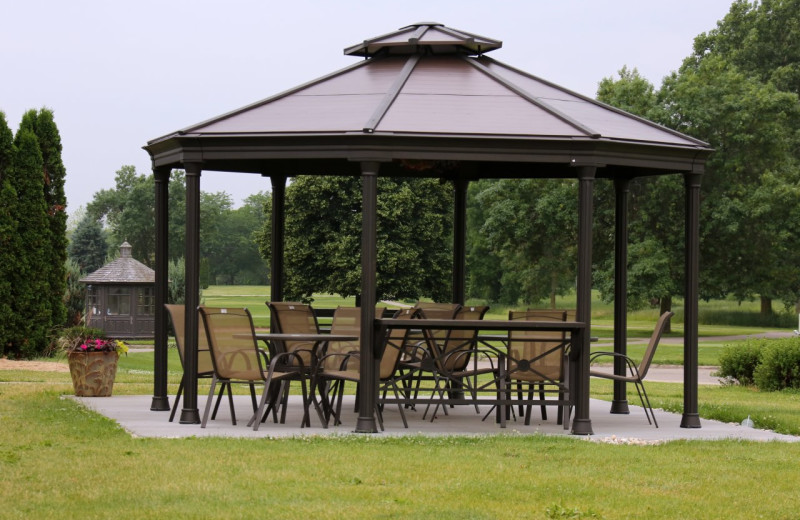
x=782 y=320
x=739 y=361
x=780 y=365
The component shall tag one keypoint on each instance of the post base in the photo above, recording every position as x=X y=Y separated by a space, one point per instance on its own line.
x=160 y=404
x=190 y=416
x=690 y=420
x=620 y=407
x=582 y=427
x=366 y=425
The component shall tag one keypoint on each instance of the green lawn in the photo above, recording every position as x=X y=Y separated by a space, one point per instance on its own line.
x=59 y=460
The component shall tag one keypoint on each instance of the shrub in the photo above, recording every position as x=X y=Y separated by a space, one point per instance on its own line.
x=780 y=365
x=739 y=361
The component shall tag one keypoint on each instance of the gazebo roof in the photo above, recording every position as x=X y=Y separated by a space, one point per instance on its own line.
x=428 y=92
x=123 y=270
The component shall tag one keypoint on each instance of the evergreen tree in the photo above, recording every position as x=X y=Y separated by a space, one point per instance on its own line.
x=30 y=291
x=88 y=247
x=8 y=233
x=42 y=124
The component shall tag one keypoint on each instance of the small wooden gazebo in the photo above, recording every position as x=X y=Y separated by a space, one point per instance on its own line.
x=427 y=101
x=120 y=297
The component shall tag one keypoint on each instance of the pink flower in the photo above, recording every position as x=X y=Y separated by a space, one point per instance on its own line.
x=84 y=347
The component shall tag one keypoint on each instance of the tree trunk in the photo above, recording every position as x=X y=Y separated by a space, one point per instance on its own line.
x=666 y=305
x=766 y=306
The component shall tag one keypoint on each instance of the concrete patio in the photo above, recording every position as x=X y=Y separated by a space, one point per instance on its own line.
x=133 y=414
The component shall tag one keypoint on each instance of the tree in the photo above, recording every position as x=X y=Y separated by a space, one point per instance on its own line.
x=323 y=237
x=129 y=210
x=529 y=227
x=74 y=294
x=8 y=234
x=760 y=39
x=88 y=247
x=30 y=291
x=753 y=127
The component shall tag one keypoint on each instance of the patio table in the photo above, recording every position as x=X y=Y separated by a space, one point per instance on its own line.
x=571 y=329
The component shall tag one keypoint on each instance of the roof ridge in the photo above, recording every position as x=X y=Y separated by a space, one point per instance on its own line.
x=596 y=102
x=533 y=99
x=391 y=94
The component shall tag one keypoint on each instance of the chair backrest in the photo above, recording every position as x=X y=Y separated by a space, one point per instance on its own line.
x=436 y=311
x=395 y=344
x=294 y=318
x=650 y=351
x=234 y=350
x=461 y=339
x=548 y=365
x=177 y=314
x=346 y=322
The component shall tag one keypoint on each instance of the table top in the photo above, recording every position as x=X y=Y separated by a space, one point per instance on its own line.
x=277 y=336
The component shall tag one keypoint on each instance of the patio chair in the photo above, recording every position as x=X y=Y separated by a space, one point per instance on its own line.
x=452 y=361
x=205 y=366
x=637 y=373
x=339 y=367
x=537 y=362
x=237 y=358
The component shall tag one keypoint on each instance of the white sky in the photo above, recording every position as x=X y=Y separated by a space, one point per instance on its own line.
x=120 y=73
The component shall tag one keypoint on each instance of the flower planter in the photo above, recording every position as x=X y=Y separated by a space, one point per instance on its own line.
x=93 y=372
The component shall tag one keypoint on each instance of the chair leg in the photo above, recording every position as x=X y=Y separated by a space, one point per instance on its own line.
x=253 y=396
x=544 y=407
x=230 y=401
x=219 y=398
x=208 y=401
x=256 y=420
x=177 y=400
x=647 y=400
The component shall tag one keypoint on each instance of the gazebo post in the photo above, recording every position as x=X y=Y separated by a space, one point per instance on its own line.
x=579 y=361
x=277 y=238
x=619 y=404
x=160 y=401
x=459 y=240
x=691 y=417
x=368 y=387
x=190 y=413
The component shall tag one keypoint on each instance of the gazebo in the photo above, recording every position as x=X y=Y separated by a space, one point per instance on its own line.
x=120 y=297
x=427 y=101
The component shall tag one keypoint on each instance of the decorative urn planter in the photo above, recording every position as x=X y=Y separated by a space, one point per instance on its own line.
x=93 y=373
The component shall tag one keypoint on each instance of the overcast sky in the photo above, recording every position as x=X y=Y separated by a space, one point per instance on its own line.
x=120 y=73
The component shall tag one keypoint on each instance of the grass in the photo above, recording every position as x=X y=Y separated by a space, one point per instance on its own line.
x=59 y=460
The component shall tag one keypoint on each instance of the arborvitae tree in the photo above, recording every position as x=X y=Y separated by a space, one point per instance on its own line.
x=8 y=233
x=31 y=289
x=88 y=247
x=54 y=175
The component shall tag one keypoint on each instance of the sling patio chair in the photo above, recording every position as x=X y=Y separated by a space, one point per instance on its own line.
x=294 y=318
x=536 y=360
x=205 y=366
x=451 y=370
x=237 y=358
x=636 y=373
x=336 y=368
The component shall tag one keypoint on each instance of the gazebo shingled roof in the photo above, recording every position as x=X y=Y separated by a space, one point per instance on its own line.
x=428 y=101
x=124 y=270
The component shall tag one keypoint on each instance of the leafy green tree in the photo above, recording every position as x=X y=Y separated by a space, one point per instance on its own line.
x=530 y=226
x=9 y=240
x=752 y=126
x=760 y=39
x=129 y=210
x=88 y=247
x=323 y=237
x=30 y=291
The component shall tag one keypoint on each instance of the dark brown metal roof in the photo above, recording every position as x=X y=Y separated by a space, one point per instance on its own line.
x=428 y=83
x=123 y=270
